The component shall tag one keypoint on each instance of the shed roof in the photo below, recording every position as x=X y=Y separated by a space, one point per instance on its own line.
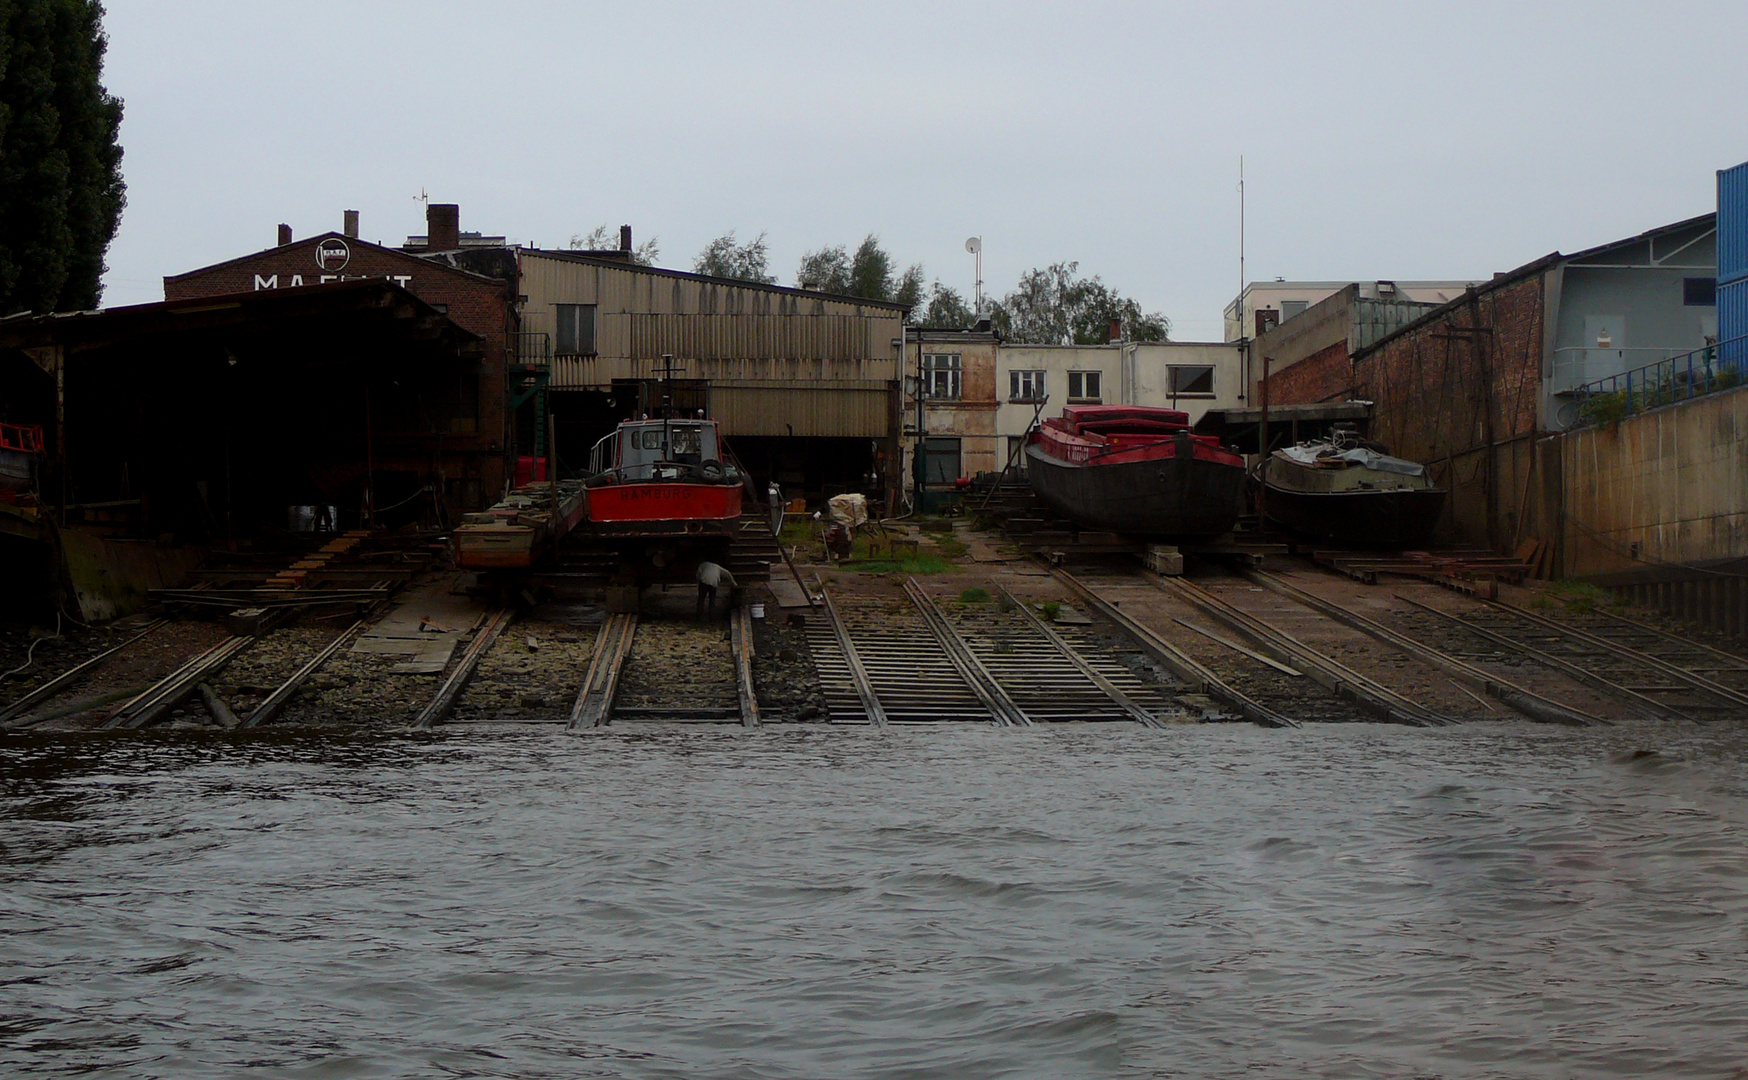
x=612 y=263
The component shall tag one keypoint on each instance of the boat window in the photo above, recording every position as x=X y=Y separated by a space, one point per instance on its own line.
x=650 y=438
x=685 y=442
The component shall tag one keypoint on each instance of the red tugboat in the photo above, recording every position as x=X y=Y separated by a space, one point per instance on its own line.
x=1136 y=469
x=662 y=478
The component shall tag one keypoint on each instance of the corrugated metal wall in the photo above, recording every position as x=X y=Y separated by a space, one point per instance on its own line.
x=641 y=315
x=1733 y=323
x=1732 y=225
x=845 y=410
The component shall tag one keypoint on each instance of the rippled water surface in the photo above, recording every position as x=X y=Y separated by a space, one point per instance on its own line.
x=1218 y=901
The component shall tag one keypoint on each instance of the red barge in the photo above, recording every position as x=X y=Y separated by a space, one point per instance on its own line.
x=1136 y=469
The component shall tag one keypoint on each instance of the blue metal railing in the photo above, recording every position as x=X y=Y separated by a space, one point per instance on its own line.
x=1678 y=378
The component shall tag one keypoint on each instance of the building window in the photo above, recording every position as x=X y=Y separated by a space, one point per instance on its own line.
x=1083 y=386
x=1699 y=291
x=1192 y=381
x=941 y=378
x=941 y=460
x=1026 y=386
x=1290 y=308
x=1017 y=453
x=576 y=330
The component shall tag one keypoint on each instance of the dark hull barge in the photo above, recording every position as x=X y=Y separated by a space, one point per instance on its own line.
x=1136 y=470
x=1351 y=494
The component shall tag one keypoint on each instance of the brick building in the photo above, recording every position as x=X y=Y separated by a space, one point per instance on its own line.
x=1470 y=387
x=462 y=450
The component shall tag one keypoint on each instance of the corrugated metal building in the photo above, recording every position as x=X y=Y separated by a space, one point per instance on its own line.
x=1733 y=265
x=805 y=384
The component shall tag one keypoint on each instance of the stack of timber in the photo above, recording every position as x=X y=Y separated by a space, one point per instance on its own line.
x=350 y=572
x=1475 y=571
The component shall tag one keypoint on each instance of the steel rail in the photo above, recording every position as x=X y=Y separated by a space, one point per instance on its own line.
x=283 y=693
x=1696 y=681
x=594 y=704
x=1326 y=671
x=1200 y=679
x=166 y=693
x=1292 y=672
x=742 y=634
x=65 y=679
x=976 y=676
x=1072 y=655
x=1561 y=664
x=1732 y=662
x=444 y=700
x=871 y=706
x=1526 y=702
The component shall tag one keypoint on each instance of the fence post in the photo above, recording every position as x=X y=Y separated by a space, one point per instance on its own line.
x=1629 y=391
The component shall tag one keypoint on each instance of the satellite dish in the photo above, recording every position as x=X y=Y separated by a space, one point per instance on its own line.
x=974 y=245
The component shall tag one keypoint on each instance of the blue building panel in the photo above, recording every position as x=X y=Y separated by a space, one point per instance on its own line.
x=1733 y=324
x=1733 y=224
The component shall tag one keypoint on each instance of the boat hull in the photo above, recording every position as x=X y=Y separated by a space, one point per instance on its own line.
x=664 y=508
x=1400 y=518
x=1178 y=497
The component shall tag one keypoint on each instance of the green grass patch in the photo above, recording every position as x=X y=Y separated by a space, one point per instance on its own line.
x=974 y=595
x=951 y=547
x=1050 y=609
x=1581 y=596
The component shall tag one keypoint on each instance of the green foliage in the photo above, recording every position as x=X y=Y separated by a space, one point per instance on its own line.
x=722 y=257
x=602 y=238
x=974 y=595
x=869 y=273
x=61 y=189
x=1050 y=609
x=1602 y=410
x=1581 y=596
x=951 y=546
x=1055 y=306
x=946 y=310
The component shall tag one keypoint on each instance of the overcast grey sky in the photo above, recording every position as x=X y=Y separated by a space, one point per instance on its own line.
x=1380 y=140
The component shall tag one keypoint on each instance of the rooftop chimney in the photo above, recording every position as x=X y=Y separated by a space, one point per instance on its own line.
x=349 y=224
x=624 y=238
x=1116 y=331
x=284 y=234
x=442 y=227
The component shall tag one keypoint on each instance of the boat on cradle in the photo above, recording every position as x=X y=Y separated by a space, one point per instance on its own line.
x=1136 y=469
x=1349 y=491
x=522 y=530
x=662 y=478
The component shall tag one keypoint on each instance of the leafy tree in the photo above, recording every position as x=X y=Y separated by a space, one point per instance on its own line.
x=868 y=273
x=722 y=257
x=61 y=190
x=602 y=238
x=946 y=310
x=1055 y=306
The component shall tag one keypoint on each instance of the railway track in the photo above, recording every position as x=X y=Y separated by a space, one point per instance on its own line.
x=1655 y=674
x=672 y=671
x=916 y=659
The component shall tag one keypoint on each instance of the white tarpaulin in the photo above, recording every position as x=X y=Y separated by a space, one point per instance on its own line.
x=850 y=510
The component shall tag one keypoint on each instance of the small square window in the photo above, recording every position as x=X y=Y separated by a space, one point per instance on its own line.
x=1290 y=308
x=1699 y=291
x=1192 y=380
x=575 y=326
x=1083 y=386
x=1027 y=386
x=941 y=375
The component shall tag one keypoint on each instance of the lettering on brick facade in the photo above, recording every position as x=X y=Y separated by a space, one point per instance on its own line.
x=272 y=280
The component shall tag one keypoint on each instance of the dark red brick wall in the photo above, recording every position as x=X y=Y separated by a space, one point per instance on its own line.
x=475 y=304
x=1325 y=375
x=1459 y=392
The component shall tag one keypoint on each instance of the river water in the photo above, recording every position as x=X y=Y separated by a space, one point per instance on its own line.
x=1338 y=901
